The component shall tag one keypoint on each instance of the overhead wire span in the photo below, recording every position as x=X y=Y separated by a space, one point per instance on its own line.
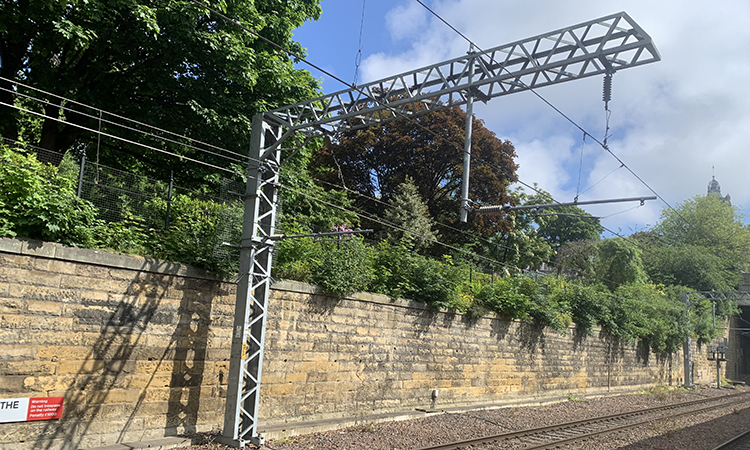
x=100 y=110
x=556 y=109
x=129 y=141
x=396 y=227
x=358 y=57
x=580 y=168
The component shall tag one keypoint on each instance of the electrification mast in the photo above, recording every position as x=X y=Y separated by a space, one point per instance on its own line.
x=588 y=49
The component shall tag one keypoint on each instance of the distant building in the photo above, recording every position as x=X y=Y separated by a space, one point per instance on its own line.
x=715 y=188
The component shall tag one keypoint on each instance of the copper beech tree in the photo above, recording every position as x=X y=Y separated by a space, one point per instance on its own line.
x=427 y=149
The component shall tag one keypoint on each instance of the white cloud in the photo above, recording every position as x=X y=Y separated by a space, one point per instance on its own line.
x=671 y=121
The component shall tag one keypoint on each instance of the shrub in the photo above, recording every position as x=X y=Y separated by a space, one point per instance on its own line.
x=399 y=272
x=196 y=231
x=343 y=267
x=37 y=203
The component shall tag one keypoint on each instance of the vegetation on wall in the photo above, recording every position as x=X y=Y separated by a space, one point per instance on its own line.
x=39 y=201
x=195 y=74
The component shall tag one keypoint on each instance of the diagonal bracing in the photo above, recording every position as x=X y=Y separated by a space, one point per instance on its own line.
x=592 y=48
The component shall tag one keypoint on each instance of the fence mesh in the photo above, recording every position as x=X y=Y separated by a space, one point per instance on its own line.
x=133 y=199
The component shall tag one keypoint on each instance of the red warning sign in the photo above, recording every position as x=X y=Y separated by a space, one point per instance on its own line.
x=26 y=409
x=45 y=408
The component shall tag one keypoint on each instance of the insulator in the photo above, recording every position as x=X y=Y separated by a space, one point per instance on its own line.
x=607 y=95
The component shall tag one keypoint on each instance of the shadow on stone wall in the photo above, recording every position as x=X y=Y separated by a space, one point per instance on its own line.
x=191 y=341
x=531 y=338
x=122 y=343
x=322 y=304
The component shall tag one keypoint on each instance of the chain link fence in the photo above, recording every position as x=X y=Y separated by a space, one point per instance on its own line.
x=135 y=200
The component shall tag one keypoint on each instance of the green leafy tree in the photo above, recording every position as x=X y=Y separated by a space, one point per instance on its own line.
x=305 y=206
x=701 y=243
x=169 y=63
x=618 y=262
x=521 y=246
x=562 y=224
x=576 y=259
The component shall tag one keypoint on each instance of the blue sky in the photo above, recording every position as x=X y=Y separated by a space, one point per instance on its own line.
x=671 y=121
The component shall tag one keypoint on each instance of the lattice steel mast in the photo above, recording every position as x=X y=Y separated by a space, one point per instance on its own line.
x=592 y=48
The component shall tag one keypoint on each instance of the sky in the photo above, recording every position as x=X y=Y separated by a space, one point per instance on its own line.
x=674 y=123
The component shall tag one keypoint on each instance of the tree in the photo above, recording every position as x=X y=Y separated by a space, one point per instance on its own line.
x=409 y=213
x=563 y=224
x=521 y=246
x=576 y=259
x=374 y=161
x=169 y=63
x=618 y=262
x=701 y=243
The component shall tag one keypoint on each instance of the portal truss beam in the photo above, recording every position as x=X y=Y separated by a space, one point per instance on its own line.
x=591 y=48
x=599 y=46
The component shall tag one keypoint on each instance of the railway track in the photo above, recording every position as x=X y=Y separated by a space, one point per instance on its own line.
x=567 y=433
x=740 y=442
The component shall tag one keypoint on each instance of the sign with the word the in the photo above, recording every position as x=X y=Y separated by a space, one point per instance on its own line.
x=26 y=409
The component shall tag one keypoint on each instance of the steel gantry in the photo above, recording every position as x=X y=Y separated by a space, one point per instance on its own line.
x=591 y=48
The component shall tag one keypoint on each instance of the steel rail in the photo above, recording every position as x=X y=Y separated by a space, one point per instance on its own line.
x=578 y=427
x=740 y=441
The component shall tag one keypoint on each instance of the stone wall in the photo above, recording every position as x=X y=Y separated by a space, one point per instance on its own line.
x=138 y=349
x=331 y=358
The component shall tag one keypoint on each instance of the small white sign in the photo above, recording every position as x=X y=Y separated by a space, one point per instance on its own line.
x=13 y=409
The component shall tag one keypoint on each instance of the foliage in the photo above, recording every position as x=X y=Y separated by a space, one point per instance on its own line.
x=701 y=243
x=169 y=63
x=618 y=262
x=428 y=148
x=688 y=265
x=300 y=210
x=401 y=273
x=196 y=231
x=343 y=267
x=576 y=259
x=521 y=246
x=409 y=213
x=36 y=202
x=652 y=315
x=563 y=224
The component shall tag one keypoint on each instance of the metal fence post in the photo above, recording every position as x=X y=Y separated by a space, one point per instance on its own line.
x=169 y=199
x=80 y=175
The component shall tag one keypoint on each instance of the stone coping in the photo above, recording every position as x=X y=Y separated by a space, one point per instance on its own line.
x=62 y=252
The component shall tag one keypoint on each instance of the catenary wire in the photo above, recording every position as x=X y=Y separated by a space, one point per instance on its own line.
x=186 y=158
x=358 y=57
x=556 y=109
x=68 y=100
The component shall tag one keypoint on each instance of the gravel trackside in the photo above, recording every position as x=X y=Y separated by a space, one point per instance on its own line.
x=703 y=431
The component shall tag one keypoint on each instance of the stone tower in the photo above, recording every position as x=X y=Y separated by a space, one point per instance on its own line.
x=715 y=188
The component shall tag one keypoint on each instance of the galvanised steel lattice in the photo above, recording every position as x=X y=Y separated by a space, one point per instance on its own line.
x=592 y=48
